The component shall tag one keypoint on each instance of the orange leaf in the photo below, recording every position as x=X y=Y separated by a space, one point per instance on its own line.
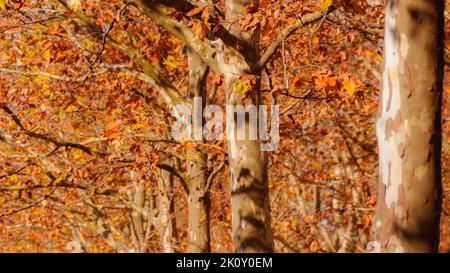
x=200 y=30
x=250 y=8
x=112 y=125
x=195 y=11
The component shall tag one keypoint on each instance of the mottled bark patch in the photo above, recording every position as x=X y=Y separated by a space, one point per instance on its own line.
x=407 y=215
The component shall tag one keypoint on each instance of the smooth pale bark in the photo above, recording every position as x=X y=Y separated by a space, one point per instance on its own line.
x=199 y=200
x=199 y=206
x=137 y=219
x=408 y=129
x=168 y=231
x=247 y=164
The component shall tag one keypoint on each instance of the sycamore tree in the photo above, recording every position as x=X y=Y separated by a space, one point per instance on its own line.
x=92 y=94
x=231 y=52
x=409 y=128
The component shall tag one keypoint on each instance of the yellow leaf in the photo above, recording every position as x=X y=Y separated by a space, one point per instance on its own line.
x=240 y=87
x=137 y=126
x=87 y=43
x=71 y=108
x=40 y=78
x=2 y=5
x=350 y=86
x=378 y=57
x=325 y=4
x=57 y=180
x=15 y=193
x=13 y=178
x=77 y=154
x=47 y=55
x=123 y=147
x=361 y=138
x=45 y=87
x=61 y=114
x=170 y=61
x=117 y=111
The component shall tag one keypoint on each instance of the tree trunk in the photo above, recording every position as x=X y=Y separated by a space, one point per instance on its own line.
x=137 y=197
x=199 y=205
x=168 y=231
x=408 y=129
x=199 y=202
x=247 y=163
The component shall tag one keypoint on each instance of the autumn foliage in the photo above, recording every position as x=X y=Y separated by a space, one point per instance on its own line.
x=85 y=131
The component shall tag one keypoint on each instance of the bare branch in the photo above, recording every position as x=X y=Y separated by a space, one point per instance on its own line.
x=212 y=175
x=30 y=205
x=48 y=138
x=15 y=171
x=61 y=184
x=178 y=28
x=304 y=20
x=105 y=34
x=48 y=75
x=160 y=81
x=180 y=5
x=286 y=244
x=177 y=173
